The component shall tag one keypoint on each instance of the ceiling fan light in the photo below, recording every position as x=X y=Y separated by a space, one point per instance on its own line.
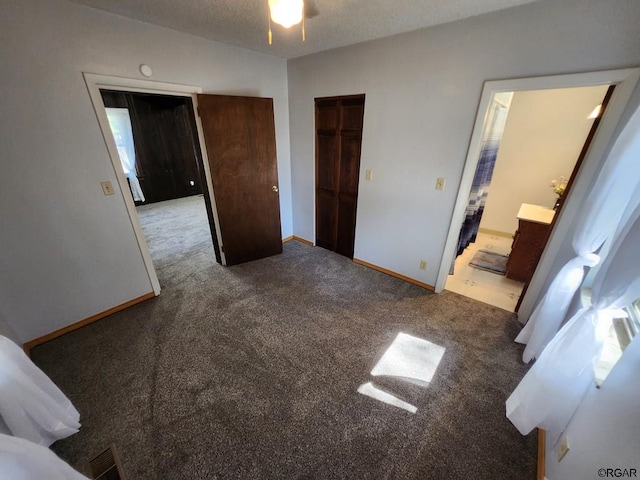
x=286 y=12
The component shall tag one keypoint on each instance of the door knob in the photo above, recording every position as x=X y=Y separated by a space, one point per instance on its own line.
x=275 y=188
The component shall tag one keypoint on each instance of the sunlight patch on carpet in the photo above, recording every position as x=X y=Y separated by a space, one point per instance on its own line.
x=410 y=359
x=370 y=390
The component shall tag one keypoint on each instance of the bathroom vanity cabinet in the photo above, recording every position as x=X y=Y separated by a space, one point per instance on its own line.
x=534 y=228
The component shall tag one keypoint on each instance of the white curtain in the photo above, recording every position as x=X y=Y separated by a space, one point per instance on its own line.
x=553 y=388
x=31 y=405
x=120 y=124
x=609 y=198
x=23 y=460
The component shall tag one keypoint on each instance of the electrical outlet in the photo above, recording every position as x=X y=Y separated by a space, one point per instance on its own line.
x=423 y=264
x=563 y=448
x=440 y=183
x=107 y=188
x=368 y=175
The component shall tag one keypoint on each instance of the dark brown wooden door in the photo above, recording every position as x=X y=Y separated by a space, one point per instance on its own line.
x=239 y=134
x=338 y=144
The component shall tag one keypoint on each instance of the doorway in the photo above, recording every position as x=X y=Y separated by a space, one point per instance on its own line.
x=97 y=82
x=157 y=142
x=542 y=140
x=625 y=81
x=339 y=122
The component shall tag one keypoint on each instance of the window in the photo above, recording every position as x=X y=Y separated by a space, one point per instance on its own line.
x=624 y=327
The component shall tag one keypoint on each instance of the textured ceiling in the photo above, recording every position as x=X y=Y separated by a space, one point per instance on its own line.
x=333 y=23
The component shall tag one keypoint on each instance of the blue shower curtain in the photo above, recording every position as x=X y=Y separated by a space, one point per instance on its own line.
x=494 y=128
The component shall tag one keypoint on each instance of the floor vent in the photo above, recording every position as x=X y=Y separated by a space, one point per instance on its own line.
x=107 y=465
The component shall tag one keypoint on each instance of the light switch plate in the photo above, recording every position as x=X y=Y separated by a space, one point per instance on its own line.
x=107 y=188
x=563 y=448
x=368 y=175
x=440 y=183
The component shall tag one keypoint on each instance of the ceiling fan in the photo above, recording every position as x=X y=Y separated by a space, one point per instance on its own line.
x=288 y=13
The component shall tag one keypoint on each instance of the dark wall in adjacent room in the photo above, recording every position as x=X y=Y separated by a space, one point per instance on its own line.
x=165 y=141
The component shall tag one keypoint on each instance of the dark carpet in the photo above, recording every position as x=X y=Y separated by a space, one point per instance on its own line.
x=252 y=372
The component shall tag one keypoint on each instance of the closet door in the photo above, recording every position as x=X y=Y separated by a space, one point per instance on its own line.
x=338 y=145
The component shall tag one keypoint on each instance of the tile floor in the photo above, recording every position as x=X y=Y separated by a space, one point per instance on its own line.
x=487 y=287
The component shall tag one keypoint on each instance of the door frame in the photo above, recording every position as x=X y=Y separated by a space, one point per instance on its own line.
x=625 y=81
x=96 y=82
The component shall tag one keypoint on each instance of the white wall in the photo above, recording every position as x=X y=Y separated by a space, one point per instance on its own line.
x=422 y=91
x=7 y=331
x=543 y=137
x=604 y=431
x=67 y=251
